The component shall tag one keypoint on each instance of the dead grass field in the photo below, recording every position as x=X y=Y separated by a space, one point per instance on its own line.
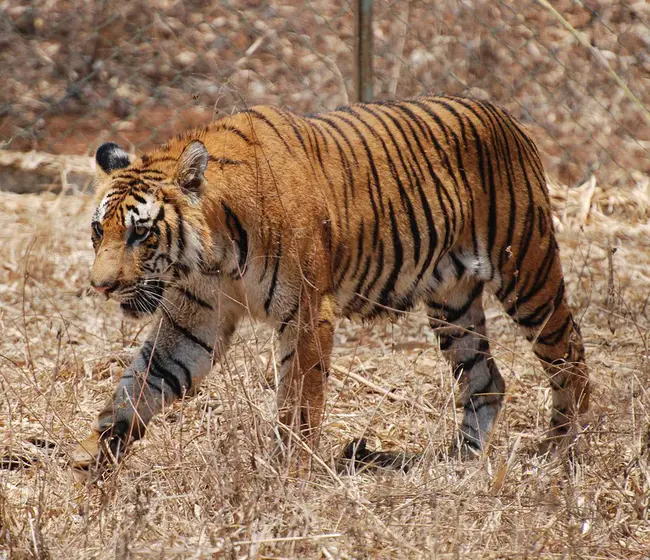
x=201 y=484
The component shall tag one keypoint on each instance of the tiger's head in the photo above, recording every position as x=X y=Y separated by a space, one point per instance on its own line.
x=148 y=230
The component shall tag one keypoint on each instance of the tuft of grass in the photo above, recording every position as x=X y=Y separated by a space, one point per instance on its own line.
x=203 y=484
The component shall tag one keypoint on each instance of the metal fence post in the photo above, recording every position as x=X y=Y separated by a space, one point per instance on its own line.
x=363 y=50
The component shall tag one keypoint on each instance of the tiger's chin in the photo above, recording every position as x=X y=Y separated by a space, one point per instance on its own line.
x=145 y=302
x=138 y=310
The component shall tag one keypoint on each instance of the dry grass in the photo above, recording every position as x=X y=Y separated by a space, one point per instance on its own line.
x=201 y=483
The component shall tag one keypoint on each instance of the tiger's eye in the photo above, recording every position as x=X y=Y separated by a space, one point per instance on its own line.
x=138 y=234
x=98 y=230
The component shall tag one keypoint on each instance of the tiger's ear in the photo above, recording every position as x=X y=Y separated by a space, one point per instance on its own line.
x=110 y=157
x=191 y=166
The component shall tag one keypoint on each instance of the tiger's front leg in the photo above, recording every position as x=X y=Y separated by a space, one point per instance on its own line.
x=305 y=350
x=184 y=342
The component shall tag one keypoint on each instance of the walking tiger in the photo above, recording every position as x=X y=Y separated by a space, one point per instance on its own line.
x=297 y=220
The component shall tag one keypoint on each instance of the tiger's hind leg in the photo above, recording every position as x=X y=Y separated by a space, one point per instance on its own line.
x=458 y=319
x=536 y=301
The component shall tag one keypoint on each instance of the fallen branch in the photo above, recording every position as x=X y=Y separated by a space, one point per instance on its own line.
x=386 y=392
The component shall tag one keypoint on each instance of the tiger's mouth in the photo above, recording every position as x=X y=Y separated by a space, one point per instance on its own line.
x=143 y=299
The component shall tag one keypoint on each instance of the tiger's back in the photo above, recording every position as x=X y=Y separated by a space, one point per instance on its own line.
x=444 y=186
x=363 y=211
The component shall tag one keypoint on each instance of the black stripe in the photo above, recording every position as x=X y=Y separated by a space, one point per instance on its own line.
x=236 y=131
x=552 y=338
x=225 y=161
x=186 y=372
x=348 y=178
x=191 y=337
x=159 y=159
x=357 y=303
x=274 y=279
x=431 y=228
x=272 y=126
x=398 y=256
x=449 y=211
x=476 y=404
x=360 y=240
x=460 y=165
x=168 y=234
x=157 y=369
x=509 y=171
x=145 y=353
x=389 y=112
x=539 y=315
x=288 y=318
x=181 y=232
x=503 y=292
x=338 y=129
x=232 y=221
x=458 y=264
x=368 y=152
x=375 y=213
x=483 y=345
x=468 y=364
x=540 y=280
x=196 y=299
x=338 y=255
x=138 y=198
x=404 y=197
x=316 y=130
x=379 y=269
x=492 y=210
x=448 y=134
x=445 y=343
x=343 y=271
x=455 y=313
x=286 y=358
x=296 y=131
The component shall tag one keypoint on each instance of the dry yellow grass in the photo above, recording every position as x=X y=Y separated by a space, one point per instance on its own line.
x=201 y=484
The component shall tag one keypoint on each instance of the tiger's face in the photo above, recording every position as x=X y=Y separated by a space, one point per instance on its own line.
x=144 y=231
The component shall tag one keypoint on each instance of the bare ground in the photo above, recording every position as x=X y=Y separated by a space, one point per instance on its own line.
x=202 y=484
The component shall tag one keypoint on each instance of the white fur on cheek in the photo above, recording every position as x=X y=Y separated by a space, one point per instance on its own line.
x=193 y=246
x=101 y=210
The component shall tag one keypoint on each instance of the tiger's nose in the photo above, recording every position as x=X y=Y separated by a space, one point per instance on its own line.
x=104 y=287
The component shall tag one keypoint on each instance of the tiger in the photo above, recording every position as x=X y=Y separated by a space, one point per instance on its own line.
x=297 y=221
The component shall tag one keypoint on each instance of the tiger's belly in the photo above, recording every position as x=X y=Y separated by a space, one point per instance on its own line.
x=382 y=288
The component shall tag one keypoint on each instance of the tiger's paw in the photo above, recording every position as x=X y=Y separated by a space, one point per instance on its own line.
x=464 y=449
x=357 y=457
x=86 y=454
x=99 y=451
x=87 y=460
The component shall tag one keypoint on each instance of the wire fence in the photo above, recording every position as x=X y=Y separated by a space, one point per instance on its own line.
x=78 y=73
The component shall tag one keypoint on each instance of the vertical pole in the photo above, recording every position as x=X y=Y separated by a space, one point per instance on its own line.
x=363 y=50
